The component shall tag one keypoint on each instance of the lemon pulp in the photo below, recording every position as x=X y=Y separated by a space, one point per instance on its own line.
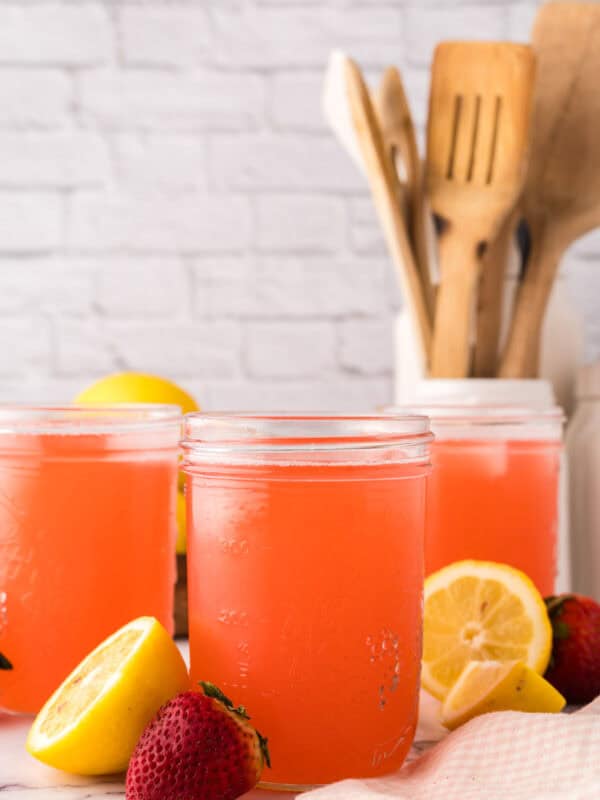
x=481 y=611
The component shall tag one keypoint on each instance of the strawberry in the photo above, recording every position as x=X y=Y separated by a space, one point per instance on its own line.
x=574 y=667
x=198 y=747
x=4 y=662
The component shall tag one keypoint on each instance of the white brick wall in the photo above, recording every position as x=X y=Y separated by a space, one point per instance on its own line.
x=171 y=200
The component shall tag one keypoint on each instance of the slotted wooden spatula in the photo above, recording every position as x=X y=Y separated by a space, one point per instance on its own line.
x=477 y=135
x=561 y=199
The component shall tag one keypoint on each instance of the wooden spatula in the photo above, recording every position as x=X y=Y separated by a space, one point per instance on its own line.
x=477 y=135
x=382 y=182
x=336 y=108
x=395 y=120
x=561 y=199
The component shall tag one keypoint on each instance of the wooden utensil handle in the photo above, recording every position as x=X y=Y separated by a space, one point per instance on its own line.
x=417 y=212
x=460 y=268
x=490 y=301
x=401 y=252
x=382 y=183
x=418 y=228
x=520 y=354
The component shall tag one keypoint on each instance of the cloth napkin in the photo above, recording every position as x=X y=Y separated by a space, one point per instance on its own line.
x=507 y=755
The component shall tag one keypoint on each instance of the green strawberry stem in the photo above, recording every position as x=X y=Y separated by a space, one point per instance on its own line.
x=264 y=749
x=5 y=663
x=555 y=603
x=554 y=607
x=210 y=690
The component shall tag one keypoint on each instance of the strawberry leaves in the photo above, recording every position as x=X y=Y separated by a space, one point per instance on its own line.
x=555 y=607
x=264 y=748
x=210 y=690
x=5 y=663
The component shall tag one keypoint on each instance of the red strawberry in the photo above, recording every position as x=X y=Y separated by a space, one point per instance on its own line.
x=198 y=747
x=575 y=663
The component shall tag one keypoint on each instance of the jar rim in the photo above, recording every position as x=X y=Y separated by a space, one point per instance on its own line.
x=86 y=418
x=449 y=413
x=301 y=432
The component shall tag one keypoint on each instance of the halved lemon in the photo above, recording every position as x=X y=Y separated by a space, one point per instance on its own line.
x=93 y=721
x=486 y=686
x=481 y=611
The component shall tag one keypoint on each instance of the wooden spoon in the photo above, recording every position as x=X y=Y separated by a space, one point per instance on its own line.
x=561 y=199
x=477 y=134
x=490 y=300
x=399 y=137
x=383 y=189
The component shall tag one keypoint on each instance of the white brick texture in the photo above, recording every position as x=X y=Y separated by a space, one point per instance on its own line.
x=184 y=349
x=146 y=222
x=267 y=38
x=25 y=347
x=262 y=162
x=171 y=199
x=36 y=98
x=141 y=288
x=295 y=101
x=284 y=287
x=30 y=222
x=307 y=223
x=83 y=348
x=164 y=36
x=365 y=346
x=56 y=33
x=48 y=285
x=290 y=349
x=53 y=159
x=153 y=99
x=427 y=24
x=160 y=161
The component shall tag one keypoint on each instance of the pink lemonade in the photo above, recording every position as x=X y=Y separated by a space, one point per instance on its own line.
x=494 y=488
x=305 y=580
x=495 y=501
x=87 y=535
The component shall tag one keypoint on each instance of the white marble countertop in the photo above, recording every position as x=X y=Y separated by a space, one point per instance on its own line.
x=24 y=778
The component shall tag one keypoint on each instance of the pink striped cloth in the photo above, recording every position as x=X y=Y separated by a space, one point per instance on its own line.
x=507 y=755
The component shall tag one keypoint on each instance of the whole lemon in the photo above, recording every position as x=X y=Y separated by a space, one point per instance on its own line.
x=137 y=387
x=181 y=524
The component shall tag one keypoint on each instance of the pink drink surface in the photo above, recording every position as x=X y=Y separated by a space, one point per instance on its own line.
x=497 y=501
x=305 y=606
x=87 y=542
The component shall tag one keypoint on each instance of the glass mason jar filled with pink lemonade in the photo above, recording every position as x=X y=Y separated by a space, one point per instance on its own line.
x=305 y=571
x=493 y=493
x=87 y=534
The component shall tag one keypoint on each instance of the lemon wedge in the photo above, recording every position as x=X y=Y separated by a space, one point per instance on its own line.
x=93 y=721
x=481 y=611
x=485 y=686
